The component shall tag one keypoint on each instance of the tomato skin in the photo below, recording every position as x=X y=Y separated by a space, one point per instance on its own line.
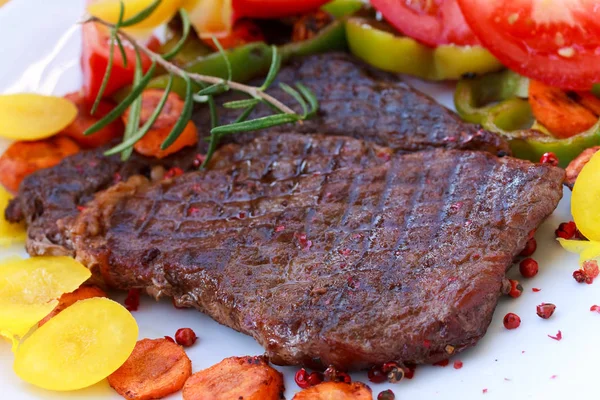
x=94 y=60
x=273 y=8
x=434 y=23
x=243 y=32
x=557 y=43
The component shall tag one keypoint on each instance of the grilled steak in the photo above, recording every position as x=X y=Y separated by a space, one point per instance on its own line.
x=355 y=101
x=327 y=250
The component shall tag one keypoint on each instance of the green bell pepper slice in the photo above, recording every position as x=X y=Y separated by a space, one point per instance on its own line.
x=498 y=102
x=377 y=44
x=343 y=8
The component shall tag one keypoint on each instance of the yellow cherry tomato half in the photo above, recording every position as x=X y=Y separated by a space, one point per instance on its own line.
x=29 y=289
x=9 y=233
x=587 y=250
x=585 y=200
x=109 y=10
x=79 y=347
x=28 y=116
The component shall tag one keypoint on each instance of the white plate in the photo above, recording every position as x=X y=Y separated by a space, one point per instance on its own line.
x=40 y=53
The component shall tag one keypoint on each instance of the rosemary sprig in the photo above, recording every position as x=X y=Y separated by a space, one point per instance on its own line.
x=210 y=87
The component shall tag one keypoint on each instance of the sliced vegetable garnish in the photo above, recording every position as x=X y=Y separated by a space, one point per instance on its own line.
x=109 y=10
x=587 y=250
x=585 y=201
x=79 y=347
x=29 y=289
x=9 y=233
x=68 y=299
x=28 y=116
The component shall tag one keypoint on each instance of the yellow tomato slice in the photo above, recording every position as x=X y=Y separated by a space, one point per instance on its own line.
x=210 y=17
x=109 y=10
x=585 y=200
x=79 y=347
x=9 y=233
x=587 y=250
x=29 y=289
x=28 y=116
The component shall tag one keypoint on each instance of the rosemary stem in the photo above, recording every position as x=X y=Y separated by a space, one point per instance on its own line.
x=250 y=90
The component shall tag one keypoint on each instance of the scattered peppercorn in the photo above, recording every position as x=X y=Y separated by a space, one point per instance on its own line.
x=301 y=379
x=331 y=374
x=545 y=310
x=579 y=276
x=458 y=364
x=185 y=337
x=535 y=290
x=566 y=230
x=394 y=372
x=386 y=395
x=132 y=301
x=409 y=371
x=558 y=336
x=530 y=248
x=590 y=268
x=595 y=308
x=515 y=288
x=314 y=378
x=528 y=268
x=549 y=158
x=376 y=375
x=511 y=321
x=442 y=363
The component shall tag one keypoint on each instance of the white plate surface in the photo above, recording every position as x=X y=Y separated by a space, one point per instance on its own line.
x=40 y=48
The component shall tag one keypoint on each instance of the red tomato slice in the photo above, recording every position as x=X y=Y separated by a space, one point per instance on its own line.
x=432 y=22
x=273 y=8
x=556 y=42
x=94 y=60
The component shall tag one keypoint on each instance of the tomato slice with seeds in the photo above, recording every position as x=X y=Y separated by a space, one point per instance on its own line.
x=432 y=22
x=556 y=42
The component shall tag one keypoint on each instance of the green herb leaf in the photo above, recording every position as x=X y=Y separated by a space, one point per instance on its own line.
x=310 y=96
x=241 y=103
x=185 y=19
x=255 y=124
x=273 y=70
x=185 y=116
x=135 y=111
x=217 y=88
x=142 y=15
x=297 y=96
x=121 y=107
x=122 y=49
x=225 y=57
x=127 y=143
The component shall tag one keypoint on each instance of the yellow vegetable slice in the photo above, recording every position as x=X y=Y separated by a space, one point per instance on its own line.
x=587 y=250
x=109 y=10
x=29 y=289
x=79 y=347
x=28 y=116
x=9 y=233
x=585 y=200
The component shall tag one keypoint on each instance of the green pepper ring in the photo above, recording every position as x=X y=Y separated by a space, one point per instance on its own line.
x=511 y=117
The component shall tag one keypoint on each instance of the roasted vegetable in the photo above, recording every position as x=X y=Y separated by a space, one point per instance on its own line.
x=150 y=144
x=24 y=158
x=498 y=102
x=243 y=32
x=68 y=299
x=34 y=116
x=574 y=168
x=9 y=233
x=155 y=369
x=336 y=391
x=369 y=39
x=250 y=378
x=79 y=347
x=585 y=201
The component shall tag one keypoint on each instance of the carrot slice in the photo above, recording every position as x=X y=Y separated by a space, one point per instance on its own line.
x=155 y=369
x=250 y=378
x=68 y=299
x=559 y=112
x=24 y=158
x=84 y=120
x=150 y=144
x=589 y=101
x=336 y=391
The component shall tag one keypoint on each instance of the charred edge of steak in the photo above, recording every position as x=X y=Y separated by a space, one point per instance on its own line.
x=258 y=244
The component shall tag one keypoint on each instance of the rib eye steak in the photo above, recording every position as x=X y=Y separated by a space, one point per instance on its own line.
x=355 y=101
x=327 y=250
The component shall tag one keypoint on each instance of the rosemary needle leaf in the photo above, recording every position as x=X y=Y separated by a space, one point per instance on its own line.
x=121 y=107
x=255 y=124
x=225 y=58
x=117 y=26
x=107 y=73
x=216 y=88
x=142 y=15
x=185 y=19
x=310 y=96
x=133 y=122
x=297 y=96
x=129 y=142
x=214 y=117
x=185 y=116
x=241 y=103
x=273 y=70
x=244 y=116
x=122 y=49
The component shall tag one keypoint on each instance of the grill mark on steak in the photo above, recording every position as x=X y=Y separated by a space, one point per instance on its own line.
x=355 y=100
x=397 y=250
